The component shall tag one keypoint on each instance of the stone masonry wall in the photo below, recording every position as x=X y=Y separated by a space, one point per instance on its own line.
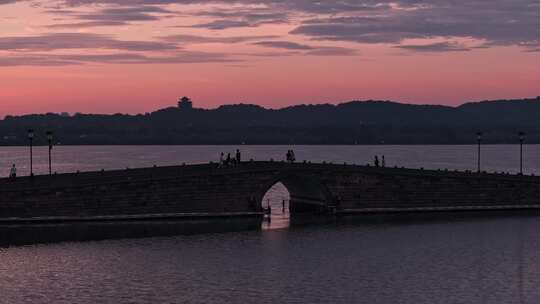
x=206 y=189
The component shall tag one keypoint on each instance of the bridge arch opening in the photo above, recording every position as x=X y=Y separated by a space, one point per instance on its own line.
x=276 y=202
x=292 y=195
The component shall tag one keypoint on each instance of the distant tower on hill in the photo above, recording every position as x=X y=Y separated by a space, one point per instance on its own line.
x=185 y=103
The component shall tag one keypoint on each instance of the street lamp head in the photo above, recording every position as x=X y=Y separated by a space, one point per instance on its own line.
x=479 y=136
x=30 y=134
x=521 y=136
x=49 y=135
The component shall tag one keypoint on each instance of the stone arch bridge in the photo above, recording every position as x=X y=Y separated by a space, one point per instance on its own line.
x=207 y=190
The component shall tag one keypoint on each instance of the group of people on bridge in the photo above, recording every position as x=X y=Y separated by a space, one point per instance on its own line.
x=290 y=156
x=229 y=160
x=378 y=163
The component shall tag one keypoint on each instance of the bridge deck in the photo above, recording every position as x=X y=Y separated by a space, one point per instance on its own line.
x=168 y=172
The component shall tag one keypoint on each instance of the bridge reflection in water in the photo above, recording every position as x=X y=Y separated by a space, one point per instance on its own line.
x=43 y=233
x=26 y=234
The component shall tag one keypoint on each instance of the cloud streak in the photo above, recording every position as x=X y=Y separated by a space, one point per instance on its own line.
x=435 y=47
x=288 y=45
x=241 y=18
x=114 y=16
x=60 y=41
x=116 y=58
x=194 y=39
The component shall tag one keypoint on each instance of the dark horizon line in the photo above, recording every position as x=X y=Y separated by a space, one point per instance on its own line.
x=288 y=107
x=42 y=145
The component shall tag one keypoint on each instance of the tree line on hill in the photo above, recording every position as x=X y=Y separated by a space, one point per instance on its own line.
x=356 y=122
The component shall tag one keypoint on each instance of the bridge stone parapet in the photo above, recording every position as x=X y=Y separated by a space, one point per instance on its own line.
x=207 y=190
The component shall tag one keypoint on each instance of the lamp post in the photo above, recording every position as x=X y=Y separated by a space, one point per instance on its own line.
x=31 y=139
x=50 y=140
x=479 y=140
x=521 y=140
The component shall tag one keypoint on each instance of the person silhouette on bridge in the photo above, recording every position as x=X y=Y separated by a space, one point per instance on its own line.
x=376 y=161
x=13 y=172
x=290 y=156
x=383 y=162
x=238 y=157
x=228 y=160
x=221 y=160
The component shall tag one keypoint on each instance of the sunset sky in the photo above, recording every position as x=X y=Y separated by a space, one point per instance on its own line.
x=131 y=56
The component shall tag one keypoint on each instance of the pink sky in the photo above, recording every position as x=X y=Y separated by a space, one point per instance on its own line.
x=107 y=56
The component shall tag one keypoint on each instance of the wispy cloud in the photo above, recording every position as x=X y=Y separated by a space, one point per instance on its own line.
x=225 y=19
x=58 y=41
x=308 y=49
x=181 y=57
x=333 y=51
x=192 y=39
x=113 y=16
x=284 y=45
x=435 y=47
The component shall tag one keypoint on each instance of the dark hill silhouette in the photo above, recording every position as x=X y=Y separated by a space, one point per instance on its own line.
x=356 y=122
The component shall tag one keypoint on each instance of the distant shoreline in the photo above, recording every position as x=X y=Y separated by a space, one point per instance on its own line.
x=351 y=123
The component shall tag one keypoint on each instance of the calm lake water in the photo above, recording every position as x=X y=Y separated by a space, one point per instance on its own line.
x=92 y=158
x=451 y=258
